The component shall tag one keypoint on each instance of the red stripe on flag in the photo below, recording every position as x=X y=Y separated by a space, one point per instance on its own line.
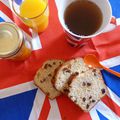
x=6 y=10
x=14 y=18
x=107 y=44
x=112 y=105
x=45 y=110
x=13 y=73
x=70 y=111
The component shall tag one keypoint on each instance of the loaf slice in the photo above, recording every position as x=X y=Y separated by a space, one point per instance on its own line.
x=87 y=89
x=67 y=71
x=45 y=76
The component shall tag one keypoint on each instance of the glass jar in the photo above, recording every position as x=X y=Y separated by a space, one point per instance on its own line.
x=14 y=44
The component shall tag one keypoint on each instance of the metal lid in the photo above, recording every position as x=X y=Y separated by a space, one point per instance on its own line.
x=11 y=39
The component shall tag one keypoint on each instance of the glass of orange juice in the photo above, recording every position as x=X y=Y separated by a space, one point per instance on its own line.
x=34 y=13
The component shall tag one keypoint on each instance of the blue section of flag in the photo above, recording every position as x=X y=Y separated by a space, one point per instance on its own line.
x=18 y=1
x=115 y=7
x=101 y=116
x=17 y=107
x=1 y=20
x=112 y=81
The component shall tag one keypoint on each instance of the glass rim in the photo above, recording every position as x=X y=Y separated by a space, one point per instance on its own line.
x=31 y=17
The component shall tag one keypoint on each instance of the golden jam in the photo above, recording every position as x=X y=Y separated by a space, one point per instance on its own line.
x=13 y=44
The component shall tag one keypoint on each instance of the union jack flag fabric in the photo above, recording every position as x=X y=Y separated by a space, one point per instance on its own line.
x=20 y=99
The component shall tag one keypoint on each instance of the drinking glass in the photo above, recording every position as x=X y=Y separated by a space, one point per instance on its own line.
x=34 y=13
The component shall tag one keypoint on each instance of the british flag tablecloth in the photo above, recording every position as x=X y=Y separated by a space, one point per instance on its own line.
x=19 y=97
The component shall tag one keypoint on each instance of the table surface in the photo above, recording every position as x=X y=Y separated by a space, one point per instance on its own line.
x=19 y=97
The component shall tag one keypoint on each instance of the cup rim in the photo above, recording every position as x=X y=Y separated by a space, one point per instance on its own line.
x=89 y=36
x=31 y=17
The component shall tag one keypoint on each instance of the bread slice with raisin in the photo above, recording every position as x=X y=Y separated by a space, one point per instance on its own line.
x=87 y=89
x=67 y=71
x=45 y=76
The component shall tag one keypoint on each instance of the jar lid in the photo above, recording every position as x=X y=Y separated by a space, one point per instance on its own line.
x=11 y=39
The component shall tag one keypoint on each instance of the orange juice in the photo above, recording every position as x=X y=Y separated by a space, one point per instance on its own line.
x=35 y=14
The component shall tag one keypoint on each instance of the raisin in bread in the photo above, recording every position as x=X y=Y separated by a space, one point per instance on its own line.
x=67 y=71
x=87 y=89
x=45 y=76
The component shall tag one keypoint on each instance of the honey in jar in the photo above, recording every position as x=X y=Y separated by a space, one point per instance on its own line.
x=13 y=43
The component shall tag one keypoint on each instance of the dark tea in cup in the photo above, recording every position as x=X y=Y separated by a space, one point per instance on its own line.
x=83 y=17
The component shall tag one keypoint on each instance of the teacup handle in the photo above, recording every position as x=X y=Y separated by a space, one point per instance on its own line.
x=111 y=26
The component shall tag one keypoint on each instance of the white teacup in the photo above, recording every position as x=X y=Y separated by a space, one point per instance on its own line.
x=106 y=25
